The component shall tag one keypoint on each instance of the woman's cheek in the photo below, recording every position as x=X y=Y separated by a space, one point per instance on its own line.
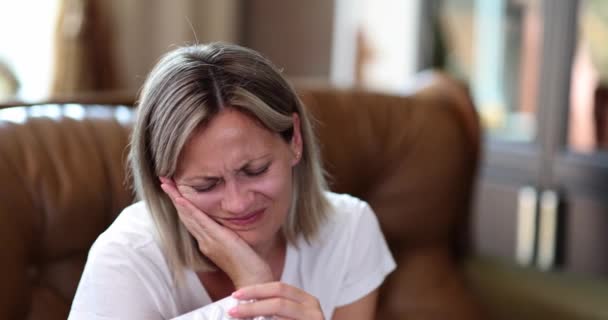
x=273 y=185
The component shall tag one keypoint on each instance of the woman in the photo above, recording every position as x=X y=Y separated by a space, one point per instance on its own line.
x=236 y=220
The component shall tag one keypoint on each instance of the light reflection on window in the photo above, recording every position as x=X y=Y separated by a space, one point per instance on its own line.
x=123 y=114
x=74 y=111
x=15 y=114
x=49 y=111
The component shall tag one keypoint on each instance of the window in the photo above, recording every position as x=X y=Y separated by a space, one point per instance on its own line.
x=26 y=30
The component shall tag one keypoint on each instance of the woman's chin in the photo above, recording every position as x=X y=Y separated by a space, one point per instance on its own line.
x=254 y=238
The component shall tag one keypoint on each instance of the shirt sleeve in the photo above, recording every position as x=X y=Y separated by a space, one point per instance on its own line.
x=116 y=284
x=369 y=260
x=112 y=286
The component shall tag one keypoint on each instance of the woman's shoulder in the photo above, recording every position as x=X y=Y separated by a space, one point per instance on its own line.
x=351 y=257
x=132 y=231
x=345 y=213
x=350 y=231
x=345 y=207
x=126 y=263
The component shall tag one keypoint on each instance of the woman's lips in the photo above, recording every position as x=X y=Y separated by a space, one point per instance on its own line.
x=245 y=220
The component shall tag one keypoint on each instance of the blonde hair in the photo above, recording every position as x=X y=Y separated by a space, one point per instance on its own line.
x=187 y=88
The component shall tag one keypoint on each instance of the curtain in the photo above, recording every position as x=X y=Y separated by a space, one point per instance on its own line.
x=111 y=45
x=83 y=49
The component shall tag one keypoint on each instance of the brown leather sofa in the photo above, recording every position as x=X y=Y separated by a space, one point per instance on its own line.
x=412 y=157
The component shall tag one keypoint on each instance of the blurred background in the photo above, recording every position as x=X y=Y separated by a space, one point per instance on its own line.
x=537 y=70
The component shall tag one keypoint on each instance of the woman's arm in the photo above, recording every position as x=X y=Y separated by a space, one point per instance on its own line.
x=362 y=309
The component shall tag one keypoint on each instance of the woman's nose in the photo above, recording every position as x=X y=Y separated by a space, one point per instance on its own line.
x=236 y=198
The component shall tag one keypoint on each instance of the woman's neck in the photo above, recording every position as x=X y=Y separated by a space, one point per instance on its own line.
x=273 y=253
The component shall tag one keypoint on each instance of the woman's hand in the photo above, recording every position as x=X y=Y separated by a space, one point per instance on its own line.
x=276 y=299
x=224 y=247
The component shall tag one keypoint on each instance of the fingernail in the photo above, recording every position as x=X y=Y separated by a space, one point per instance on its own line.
x=233 y=312
x=237 y=294
x=165 y=188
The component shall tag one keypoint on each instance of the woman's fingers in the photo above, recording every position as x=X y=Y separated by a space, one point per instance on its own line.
x=185 y=207
x=276 y=307
x=272 y=290
x=166 y=180
x=277 y=299
x=204 y=228
x=197 y=229
x=170 y=189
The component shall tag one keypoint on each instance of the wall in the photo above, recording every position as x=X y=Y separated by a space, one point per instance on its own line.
x=145 y=29
x=295 y=35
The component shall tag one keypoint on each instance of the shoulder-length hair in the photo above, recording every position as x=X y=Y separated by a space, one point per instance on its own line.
x=187 y=88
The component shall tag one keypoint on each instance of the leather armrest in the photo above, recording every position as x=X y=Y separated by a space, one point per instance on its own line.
x=509 y=291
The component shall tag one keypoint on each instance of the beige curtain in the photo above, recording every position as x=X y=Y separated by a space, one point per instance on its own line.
x=83 y=49
x=112 y=44
x=8 y=82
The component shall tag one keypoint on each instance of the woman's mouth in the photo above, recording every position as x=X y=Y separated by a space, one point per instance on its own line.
x=247 y=219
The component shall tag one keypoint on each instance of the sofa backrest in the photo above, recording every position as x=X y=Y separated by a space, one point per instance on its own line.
x=62 y=174
x=412 y=157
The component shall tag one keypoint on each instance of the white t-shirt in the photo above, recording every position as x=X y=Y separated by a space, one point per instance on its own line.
x=127 y=277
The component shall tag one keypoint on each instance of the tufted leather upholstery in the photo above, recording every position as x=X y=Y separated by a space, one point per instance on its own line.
x=62 y=182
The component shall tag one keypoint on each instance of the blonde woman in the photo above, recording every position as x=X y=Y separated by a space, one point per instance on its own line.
x=235 y=218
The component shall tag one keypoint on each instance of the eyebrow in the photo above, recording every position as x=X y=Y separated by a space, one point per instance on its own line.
x=205 y=178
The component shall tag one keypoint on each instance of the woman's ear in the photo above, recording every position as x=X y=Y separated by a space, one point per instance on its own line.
x=296 y=139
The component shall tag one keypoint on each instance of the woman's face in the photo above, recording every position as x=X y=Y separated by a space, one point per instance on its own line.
x=240 y=174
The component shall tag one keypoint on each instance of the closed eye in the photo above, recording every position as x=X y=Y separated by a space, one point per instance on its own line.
x=206 y=187
x=254 y=172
